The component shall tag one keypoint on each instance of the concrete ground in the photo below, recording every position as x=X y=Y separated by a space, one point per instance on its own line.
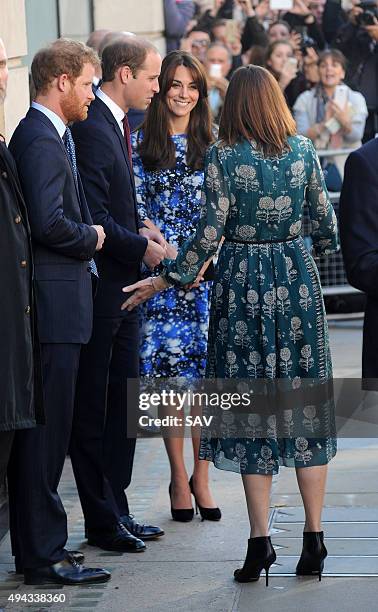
x=191 y=567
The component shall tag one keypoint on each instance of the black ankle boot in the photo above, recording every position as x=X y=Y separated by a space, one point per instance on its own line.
x=313 y=554
x=260 y=555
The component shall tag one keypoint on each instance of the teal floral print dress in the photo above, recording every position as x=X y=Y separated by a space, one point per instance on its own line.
x=267 y=317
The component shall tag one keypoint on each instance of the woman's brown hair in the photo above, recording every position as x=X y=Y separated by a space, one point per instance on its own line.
x=255 y=109
x=157 y=149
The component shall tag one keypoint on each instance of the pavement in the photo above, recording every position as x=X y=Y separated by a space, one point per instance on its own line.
x=191 y=567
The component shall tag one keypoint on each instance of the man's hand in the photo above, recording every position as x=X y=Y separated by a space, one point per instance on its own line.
x=100 y=236
x=154 y=235
x=219 y=83
x=154 y=254
x=372 y=30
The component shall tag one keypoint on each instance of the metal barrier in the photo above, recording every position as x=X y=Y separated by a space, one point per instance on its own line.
x=331 y=267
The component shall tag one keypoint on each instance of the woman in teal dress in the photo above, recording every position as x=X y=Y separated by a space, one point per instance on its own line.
x=267 y=317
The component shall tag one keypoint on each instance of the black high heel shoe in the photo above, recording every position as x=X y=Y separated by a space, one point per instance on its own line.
x=183 y=515
x=208 y=514
x=260 y=555
x=313 y=554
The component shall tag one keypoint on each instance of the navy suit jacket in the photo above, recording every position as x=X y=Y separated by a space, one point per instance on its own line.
x=108 y=182
x=63 y=241
x=359 y=240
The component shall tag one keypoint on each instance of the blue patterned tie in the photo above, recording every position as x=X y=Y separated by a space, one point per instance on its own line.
x=70 y=148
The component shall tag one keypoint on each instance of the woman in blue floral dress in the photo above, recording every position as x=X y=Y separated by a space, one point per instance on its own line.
x=168 y=160
x=267 y=317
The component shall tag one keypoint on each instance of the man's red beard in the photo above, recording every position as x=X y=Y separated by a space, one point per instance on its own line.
x=72 y=109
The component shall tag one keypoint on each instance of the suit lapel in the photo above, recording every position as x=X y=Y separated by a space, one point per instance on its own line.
x=105 y=110
x=41 y=117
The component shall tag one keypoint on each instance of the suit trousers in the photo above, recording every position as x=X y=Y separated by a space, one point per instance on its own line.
x=38 y=521
x=6 y=439
x=102 y=454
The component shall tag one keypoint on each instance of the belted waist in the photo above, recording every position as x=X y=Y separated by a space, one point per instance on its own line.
x=273 y=241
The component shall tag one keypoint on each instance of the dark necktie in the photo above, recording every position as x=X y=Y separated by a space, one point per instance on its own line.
x=126 y=130
x=70 y=148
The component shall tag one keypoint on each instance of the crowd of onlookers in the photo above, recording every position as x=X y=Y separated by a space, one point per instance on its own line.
x=323 y=53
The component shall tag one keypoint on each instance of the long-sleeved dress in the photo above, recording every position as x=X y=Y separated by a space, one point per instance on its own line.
x=174 y=323
x=267 y=317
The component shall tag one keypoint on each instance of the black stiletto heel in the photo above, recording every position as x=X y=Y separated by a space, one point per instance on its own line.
x=260 y=555
x=311 y=562
x=183 y=515
x=209 y=514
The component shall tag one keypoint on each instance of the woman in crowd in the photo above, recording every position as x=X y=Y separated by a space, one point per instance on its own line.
x=332 y=114
x=168 y=161
x=267 y=317
x=280 y=60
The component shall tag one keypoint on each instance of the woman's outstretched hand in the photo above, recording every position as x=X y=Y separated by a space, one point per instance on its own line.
x=143 y=290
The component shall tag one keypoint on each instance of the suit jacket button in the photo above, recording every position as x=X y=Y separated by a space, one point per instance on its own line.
x=4 y=174
x=24 y=263
x=17 y=219
x=27 y=310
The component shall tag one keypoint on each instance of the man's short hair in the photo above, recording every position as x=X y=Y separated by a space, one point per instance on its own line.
x=125 y=51
x=216 y=44
x=63 y=56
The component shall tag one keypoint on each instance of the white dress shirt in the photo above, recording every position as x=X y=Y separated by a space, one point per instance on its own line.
x=57 y=122
x=116 y=110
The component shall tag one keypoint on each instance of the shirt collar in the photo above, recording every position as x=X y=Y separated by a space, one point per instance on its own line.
x=57 y=122
x=116 y=110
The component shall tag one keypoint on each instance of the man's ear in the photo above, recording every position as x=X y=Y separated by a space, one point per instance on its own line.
x=125 y=74
x=62 y=82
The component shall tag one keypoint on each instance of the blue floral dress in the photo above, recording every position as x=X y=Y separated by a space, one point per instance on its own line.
x=267 y=317
x=175 y=322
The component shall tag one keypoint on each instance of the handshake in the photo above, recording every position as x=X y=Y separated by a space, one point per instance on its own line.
x=157 y=247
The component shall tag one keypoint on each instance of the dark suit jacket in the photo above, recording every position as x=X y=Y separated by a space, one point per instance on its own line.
x=359 y=240
x=109 y=187
x=20 y=368
x=63 y=241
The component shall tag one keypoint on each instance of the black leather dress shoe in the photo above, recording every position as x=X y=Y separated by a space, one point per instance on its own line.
x=145 y=532
x=118 y=538
x=65 y=572
x=77 y=556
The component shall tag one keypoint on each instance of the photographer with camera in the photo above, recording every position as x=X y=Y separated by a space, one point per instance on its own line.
x=357 y=39
x=301 y=19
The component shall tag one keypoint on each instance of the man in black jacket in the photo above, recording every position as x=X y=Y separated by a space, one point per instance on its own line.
x=102 y=452
x=359 y=242
x=64 y=242
x=20 y=382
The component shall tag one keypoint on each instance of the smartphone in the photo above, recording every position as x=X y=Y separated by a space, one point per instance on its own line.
x=292 y=62
x=341 y=96
x=232 y=31
x=215 y=71
x=281 y=5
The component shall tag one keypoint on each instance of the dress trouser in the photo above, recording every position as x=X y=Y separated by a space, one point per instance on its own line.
x=6 y=439
x=102 y=455
x=38 y=521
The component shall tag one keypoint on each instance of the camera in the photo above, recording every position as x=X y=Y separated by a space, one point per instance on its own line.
x=369 y=14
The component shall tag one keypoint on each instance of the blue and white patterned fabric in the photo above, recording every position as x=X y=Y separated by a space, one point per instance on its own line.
x=175 y=322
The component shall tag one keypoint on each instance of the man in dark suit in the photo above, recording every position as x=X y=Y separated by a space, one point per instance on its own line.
x=102 y=453
x=359 y=241
x=20 y=381
x=64 y=242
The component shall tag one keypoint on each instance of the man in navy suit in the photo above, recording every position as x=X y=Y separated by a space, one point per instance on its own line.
x=102 y=453
x=64 y=242
x=359 y=241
